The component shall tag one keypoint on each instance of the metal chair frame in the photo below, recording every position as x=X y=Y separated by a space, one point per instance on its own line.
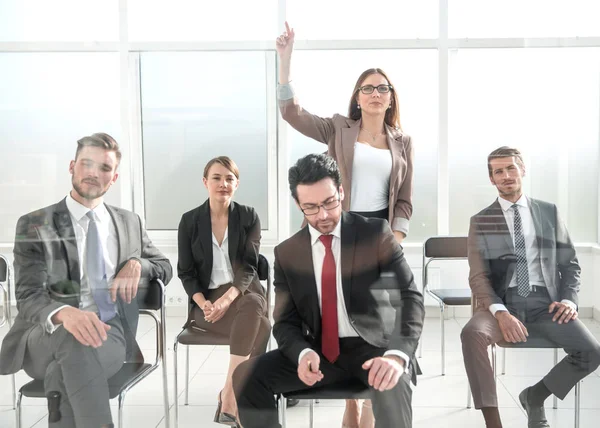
x=160 y=359
x=262 y=276
x=6 y=312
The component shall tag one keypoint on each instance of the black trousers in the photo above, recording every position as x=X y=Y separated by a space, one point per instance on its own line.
x=257 y=380
x=245 y=322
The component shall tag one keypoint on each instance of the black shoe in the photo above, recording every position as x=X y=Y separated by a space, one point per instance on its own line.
x=53 y=406
x=536 y=416
x=291 y=402
x=224 y=418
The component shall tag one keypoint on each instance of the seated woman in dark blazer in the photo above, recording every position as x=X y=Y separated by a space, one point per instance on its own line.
x=219 y=245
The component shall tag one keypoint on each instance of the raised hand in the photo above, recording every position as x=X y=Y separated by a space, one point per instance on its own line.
x=285 y=43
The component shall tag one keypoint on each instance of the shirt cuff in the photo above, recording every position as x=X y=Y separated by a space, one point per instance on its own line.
x=401 y=225
x=303 y=353
x=50 y=326
x=285 y=92
x=399 y=354
x=569 y=303
x=497 y=307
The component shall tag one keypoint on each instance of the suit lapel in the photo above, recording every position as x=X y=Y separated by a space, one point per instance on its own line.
x=306 y=272
x=347 y=255
x=537 y=223
x=122 y=235
x=205 y=232
x=349 y=137
x=64 y=228
x=496 y=217
x=395 y=152
x=233 y=233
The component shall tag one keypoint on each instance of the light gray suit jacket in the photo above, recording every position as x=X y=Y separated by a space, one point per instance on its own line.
x=45 y=254
x=492 y=259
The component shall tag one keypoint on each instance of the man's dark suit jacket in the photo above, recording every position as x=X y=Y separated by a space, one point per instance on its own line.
x=45 y=254
x=195 y=245
x=492 y=258
x=383 y=302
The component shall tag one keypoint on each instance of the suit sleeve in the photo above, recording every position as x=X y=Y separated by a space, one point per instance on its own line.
x=311 y=125
x=287 y=329
x=406 y=299
x=403 y=208
x=31 y=274
x=248 y=269
x=186 y=265
x=479 y=269
x=154 y=263
x=568 y=265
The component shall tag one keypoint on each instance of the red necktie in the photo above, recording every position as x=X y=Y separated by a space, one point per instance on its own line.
x=330 y=341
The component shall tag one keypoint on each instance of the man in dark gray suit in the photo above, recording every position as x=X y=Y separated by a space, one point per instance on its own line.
x=78 y=266
x=525 y=277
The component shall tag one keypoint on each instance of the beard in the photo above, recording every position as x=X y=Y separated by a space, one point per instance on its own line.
x=91 y=193
x=514 y=191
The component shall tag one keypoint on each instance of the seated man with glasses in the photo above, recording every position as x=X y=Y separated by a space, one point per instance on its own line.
x=346 y=307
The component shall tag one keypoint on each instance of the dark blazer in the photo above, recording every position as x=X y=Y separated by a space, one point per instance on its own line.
x=45 y=254
x=196 y=253
x=340 y=133
x=383 y=302
x=492 y=258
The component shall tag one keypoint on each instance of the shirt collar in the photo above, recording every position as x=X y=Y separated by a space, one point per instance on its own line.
x=506 y=205
x=315 y=234
x=79 y=211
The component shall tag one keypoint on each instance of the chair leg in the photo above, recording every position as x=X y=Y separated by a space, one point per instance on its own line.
x=494 y=362
x=442 y=325
x=121 y=402
x=14 y=392
x=282 y=407
x=312 y=414
x=577 y=403
x=176 y=392
x=187 y=375
x=468 y=395
x=18 y=414
x=554 y=399
x=503 y=361
x=166 y=390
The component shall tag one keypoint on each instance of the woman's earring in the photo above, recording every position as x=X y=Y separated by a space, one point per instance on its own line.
x=358 y=106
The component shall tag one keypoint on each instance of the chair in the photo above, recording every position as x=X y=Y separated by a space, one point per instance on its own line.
x=189 y=337
x=131 y=373
x=444 y=248
x=350 y=389
x=6 y=315
x=537 y=342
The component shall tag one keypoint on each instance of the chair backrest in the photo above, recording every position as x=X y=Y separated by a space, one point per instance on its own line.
x=264 y=274
x=4 y=266
x=446 y=247
x=5 y=289
x=151 y=297
x=442 y=248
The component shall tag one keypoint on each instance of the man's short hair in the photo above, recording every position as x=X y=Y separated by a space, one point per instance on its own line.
x=505 y=152
x=311 y=169
x=99 y=139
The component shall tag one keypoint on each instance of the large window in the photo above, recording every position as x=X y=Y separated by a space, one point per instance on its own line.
x=326 y=89
x=47 y=102
x=196 y=106
x=544 y=102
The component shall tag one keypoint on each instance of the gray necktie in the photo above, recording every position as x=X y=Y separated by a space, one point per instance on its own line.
x=523 y=286
x=96 y=271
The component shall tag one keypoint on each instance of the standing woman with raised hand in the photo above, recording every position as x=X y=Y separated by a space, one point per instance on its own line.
x=219 y=244
x=374 y=156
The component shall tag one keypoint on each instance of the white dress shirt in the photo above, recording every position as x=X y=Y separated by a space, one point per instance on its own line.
x=532 y=251
x=110 y=249
x=345 y=328
x=222 y=272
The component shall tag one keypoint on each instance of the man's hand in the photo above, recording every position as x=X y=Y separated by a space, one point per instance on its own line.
x=308 y=369
x=564 y=313
x=126 y=282
x=384 y=372
x=512 y=329
x=85 y=326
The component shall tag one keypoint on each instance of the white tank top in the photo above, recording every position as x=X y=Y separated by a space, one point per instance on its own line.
x=371 y=170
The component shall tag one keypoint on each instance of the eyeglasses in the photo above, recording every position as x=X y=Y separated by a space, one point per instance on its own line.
x=382 y=89
x=326 y=206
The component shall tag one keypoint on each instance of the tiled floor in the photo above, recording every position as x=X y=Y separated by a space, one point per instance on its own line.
x=438 y=401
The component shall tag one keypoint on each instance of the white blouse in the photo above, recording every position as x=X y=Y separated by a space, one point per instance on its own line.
x=371 y=170
x=222 y=272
